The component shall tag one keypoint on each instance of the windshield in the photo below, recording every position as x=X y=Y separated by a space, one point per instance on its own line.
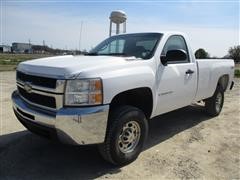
x=141 y=45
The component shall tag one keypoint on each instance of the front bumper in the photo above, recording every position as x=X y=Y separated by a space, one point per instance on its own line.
x=70 y=125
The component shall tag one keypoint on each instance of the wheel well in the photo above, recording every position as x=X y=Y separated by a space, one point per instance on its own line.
x=223 y=81
x=139 y=97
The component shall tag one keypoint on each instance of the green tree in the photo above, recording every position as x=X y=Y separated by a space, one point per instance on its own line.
x=201 y=54
x=234 y=53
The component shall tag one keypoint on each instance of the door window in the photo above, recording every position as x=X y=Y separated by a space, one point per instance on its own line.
x=176 y=42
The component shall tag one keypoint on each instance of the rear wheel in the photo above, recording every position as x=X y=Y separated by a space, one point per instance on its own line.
x=214 y=104
x=126 y=133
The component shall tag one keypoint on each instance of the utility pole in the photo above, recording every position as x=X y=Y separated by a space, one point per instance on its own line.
x=43 y=47
x=80 y=36
x=29 y=44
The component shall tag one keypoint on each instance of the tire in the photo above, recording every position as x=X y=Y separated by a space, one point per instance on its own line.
x=214 y=104
x=124 y=121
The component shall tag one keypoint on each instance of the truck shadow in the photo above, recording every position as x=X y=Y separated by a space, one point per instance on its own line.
x=167 y=125
x=26 y=156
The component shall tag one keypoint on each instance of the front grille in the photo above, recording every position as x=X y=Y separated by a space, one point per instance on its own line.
x=37 y=80
x=43 y=100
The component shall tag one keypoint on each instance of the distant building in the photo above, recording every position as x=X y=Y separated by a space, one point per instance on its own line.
x=5 y=49
x=21 y=47
x=38 y=49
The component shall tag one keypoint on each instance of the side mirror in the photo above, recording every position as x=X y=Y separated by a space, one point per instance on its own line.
x=176 y=55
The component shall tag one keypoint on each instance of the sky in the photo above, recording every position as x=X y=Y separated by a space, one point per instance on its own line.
x=209 y=24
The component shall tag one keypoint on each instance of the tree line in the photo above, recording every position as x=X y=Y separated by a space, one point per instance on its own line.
x=233 y=53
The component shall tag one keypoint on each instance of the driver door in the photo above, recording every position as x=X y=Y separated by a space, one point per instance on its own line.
x=176 y=86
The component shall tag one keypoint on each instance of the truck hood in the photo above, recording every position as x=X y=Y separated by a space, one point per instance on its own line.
x=70 y=66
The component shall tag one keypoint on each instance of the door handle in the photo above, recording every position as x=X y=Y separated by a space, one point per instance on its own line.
x=189 y=71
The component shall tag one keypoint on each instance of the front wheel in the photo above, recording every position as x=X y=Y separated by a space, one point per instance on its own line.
x=126 y=133
x=214 y=104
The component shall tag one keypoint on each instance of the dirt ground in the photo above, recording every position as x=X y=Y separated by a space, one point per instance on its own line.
x=184 y=144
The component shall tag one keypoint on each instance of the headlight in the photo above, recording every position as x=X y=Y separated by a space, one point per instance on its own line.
x=83 y=92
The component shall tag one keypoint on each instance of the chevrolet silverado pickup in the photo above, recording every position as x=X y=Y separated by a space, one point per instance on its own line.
x=108 y=96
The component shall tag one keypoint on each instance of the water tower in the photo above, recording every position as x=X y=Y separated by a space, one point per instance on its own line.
x=117 y=17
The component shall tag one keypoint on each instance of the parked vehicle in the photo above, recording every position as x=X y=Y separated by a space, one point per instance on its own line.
x=108 y=96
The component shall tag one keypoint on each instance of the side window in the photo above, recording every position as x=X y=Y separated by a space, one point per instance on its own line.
x=176 y=42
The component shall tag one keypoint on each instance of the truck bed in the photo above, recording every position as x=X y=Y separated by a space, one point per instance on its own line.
x=209 y=71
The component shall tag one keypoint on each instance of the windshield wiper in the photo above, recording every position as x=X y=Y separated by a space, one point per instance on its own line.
x=92 y=54
x=113 y=54
x=105 y=54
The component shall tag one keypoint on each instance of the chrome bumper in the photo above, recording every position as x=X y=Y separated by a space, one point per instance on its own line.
x=73 y=125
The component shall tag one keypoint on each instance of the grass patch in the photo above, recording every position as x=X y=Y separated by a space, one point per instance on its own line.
x=15 y=59
x=9 y=62
x=237 y=73
x=8 y=67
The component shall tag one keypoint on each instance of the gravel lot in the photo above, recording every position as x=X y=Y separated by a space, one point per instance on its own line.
x=183 y=144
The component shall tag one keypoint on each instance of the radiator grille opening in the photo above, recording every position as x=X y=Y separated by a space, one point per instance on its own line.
x=26 y=114
x=43 y=100
x=37 y=80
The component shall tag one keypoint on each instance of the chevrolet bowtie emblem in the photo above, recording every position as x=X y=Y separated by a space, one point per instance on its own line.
x=28 y=87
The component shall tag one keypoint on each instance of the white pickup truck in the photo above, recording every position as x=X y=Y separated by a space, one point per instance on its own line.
x=108 y=96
